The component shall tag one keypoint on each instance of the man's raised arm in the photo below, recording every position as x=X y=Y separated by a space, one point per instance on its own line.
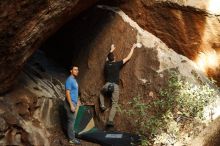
x=130 y=54
x=111 y=51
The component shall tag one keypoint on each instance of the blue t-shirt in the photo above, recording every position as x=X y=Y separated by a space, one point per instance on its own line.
x=72 y=86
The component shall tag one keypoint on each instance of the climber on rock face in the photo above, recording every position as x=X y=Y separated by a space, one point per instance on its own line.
x=111 y=72
x=71 y=102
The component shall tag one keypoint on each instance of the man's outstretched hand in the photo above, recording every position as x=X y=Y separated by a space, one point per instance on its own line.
x=136 y=45
x=112 y=48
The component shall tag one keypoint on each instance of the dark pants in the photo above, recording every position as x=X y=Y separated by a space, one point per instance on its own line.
x=70 y=120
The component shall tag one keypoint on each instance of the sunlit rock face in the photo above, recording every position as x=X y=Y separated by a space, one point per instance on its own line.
x=209 y=136
x=211 y=6
x=24 y=25
x=184 y=26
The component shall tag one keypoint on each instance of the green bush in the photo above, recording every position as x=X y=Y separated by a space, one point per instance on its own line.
x=179 y=102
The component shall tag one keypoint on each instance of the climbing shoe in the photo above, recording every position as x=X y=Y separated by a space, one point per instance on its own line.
x=102 y=108
x=110 y=124
x=74 y=141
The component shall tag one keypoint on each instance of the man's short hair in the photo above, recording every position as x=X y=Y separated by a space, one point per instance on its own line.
x=71 y=66
x=110 y=56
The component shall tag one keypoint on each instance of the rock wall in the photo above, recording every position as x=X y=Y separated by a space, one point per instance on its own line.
x=146 y=72
x=34 y=105
x=172 y=35
x=25 y=25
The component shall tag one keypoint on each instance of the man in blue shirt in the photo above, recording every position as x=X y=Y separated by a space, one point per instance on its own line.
x=71 y=102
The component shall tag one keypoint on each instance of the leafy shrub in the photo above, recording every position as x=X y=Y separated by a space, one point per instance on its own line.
x=180 y=103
